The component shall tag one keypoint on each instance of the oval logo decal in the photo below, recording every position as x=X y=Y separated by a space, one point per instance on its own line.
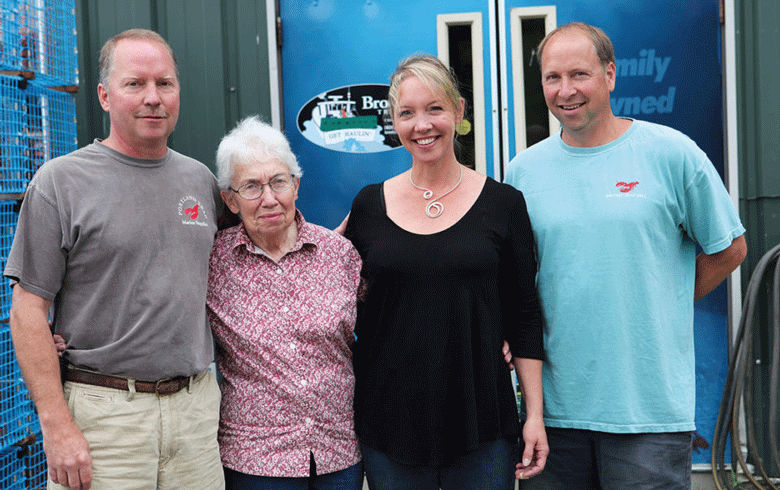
x=351 y=119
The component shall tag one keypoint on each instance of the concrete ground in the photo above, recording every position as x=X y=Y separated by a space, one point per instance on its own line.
x=702 y=481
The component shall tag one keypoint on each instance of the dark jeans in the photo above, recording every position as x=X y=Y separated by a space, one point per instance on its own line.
x=490 y=467
x=347 y=479
x=589 y=460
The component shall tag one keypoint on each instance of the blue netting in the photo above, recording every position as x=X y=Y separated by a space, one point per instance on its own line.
x=16 y=409
x=50 y=129
x=36 y=125
x=13 y=178
x=35 y=465
x=12 y=469
x=39 y=36
x=8 y=218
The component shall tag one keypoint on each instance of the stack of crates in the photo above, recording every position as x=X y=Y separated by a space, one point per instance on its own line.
x=12 y=475
x=39 y=37
x=35 y=474
x=38 y=73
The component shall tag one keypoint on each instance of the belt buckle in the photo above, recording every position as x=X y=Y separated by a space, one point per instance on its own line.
x=158 y=387
x=168 y=386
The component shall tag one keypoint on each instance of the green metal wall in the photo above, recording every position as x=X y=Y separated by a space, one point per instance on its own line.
x=221 y=48
x=758 y=112
x=758 y=70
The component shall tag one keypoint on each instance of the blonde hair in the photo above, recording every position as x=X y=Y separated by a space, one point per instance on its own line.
x=431 y=72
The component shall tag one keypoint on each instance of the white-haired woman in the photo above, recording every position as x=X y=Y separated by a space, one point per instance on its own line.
x=448 y=259
x=281 y=301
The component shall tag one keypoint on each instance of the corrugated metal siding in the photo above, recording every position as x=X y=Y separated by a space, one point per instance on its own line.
x=222 y=53
x=758 y=69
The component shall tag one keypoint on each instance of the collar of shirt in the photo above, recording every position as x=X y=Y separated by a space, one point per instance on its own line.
x=304 y=241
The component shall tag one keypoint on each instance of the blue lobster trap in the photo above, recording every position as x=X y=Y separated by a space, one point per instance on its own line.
x=35 y=471
x=50 y=126
x=13 y=167
x=39 y=37
x=12 y=469
x=8 y=219
x=17 y=416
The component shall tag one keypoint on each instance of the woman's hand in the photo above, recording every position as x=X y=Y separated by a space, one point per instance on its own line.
x=536 y=449
x=507 y=355
x=59 y=344
x=529 y=374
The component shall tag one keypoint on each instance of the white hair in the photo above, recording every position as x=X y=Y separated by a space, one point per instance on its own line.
x=249 y=142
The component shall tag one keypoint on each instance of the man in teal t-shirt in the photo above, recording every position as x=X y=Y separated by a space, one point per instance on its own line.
x=617 y=207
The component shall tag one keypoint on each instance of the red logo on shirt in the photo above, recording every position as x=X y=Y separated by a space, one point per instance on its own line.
x=626 y=187
x=192 y=212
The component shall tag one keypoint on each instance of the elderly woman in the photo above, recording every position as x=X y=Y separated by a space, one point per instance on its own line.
x=282 y=305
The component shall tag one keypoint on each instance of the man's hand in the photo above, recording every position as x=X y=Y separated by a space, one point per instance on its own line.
x=68 y=457
x=66 y=448
x=341 y=228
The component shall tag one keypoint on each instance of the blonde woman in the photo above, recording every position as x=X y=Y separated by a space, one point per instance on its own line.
x=449 y=265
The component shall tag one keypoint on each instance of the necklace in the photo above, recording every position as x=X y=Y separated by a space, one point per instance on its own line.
x=435 y=208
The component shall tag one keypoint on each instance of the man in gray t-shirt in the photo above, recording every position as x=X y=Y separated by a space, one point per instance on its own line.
x=113 y=240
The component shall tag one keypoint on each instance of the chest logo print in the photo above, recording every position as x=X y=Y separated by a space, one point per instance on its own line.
x=192 y=212
x=626 y=186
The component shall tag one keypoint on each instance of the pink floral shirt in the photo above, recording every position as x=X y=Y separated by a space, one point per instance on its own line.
x=283 y=332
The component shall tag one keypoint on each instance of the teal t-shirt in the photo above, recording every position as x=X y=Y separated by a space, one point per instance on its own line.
x=616 y=229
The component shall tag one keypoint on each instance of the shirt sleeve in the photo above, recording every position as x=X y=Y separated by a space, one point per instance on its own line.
x=38 y=255
x=520 y=302
x=361 y=216
x=710 y=218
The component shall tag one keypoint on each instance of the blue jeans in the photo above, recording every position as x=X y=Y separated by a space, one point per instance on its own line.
x=589 y=460
x=347 y=479
x=490 y=467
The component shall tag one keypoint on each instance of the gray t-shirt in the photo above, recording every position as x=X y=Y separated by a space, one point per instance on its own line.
x=121 y=246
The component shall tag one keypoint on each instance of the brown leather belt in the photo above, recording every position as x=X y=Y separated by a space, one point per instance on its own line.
x=163 y=387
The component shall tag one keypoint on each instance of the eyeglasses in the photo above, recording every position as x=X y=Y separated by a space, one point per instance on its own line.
x=253 y=190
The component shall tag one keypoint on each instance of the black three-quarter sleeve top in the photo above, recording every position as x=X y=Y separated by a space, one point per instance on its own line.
x=431 y=382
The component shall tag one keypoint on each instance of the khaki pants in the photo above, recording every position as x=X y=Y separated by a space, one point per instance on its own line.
x=141 y=441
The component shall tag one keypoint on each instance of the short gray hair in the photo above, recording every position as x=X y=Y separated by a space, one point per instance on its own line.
x=249 y=142
x=107 y=51
x=600 y=40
